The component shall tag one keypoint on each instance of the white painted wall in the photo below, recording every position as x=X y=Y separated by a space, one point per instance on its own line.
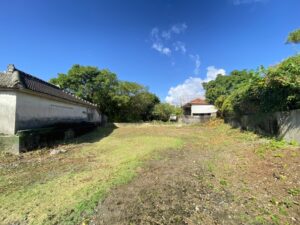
x=7 y=112
x=35 y=112
x=203 y=109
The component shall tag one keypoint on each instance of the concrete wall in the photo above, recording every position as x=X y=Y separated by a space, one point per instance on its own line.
x=285 y=125
x=289 y=125
x=203 y=109
x=7 y=112
x=35 y=112
x=196 y=119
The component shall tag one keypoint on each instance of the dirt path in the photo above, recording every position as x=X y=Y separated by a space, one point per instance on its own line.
x=232 y=179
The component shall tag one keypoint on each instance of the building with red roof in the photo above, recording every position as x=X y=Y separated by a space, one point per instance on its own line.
x=199 y=108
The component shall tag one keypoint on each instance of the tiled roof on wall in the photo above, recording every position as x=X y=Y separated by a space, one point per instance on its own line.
x=17 y=79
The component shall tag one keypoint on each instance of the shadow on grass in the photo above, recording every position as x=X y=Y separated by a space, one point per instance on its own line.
x=94 y=136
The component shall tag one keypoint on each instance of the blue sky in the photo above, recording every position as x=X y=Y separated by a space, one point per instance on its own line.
x=169 y=46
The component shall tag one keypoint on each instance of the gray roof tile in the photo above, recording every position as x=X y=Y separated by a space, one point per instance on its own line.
x=18 y=79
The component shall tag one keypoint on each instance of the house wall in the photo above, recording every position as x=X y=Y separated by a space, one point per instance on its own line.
x=35 y=112
x=7 y=112
x=203 y=109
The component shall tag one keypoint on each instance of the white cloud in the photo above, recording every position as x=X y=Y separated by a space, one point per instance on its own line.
x=180 y=46
x=160 y=48
x=157 y=43
x=182 y=93
x=192 y=87
x=212 y=73
x=197 y=62
x=162 y=39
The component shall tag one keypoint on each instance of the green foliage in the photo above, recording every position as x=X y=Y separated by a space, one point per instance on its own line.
x=225 y=85
x=265 y=90
x=133 y=102
x=120 y=100
x=91 y=84
x=282 y=86
x=294 y=37
x=163 y=111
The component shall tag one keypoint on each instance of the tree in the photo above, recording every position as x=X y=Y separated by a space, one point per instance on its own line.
x=225 y=85
x=142 y=105
x=282 y=86
x=121 y=101
x=163 y=111
x=265 y=90
x=91 y=84
x=294 y=37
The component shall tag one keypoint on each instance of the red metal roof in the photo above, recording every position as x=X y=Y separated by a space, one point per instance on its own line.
x=198 y=101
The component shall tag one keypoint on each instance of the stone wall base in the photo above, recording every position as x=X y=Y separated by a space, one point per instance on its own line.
x=27 y=140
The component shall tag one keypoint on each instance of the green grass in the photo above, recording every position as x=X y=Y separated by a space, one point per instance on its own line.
x=65 y=188
x=37 y=188
x=294 y=191
x=273 y=144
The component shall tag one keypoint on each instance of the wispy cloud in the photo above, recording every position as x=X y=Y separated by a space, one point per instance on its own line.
x=160 y=48
x=175 y=29
x=192 y=87
x=197 y=62
x=179 y=47
x=162 y=40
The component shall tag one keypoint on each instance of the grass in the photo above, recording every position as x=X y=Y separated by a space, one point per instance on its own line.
x=39 y=188
x=273 y=144
x=294 y=191
x=65 y=188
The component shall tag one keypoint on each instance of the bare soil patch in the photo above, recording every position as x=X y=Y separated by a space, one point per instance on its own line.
x=168 y=191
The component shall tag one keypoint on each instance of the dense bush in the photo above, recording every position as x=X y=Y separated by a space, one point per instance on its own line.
x=265 y=90
x=225 y=85
x=282 y=86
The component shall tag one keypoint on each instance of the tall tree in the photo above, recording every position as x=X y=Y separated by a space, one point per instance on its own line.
x=224 y=85
x=134 y=102
x=91 y=84
x=120 y=100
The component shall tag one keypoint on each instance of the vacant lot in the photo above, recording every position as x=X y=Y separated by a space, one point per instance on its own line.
x=155 y=174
